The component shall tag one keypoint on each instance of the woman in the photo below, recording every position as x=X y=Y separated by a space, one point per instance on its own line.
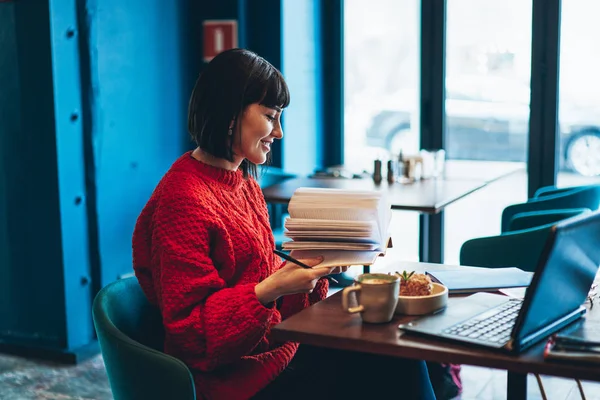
x=203 y=247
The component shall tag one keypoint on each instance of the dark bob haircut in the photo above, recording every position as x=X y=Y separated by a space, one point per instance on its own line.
x=232 y=81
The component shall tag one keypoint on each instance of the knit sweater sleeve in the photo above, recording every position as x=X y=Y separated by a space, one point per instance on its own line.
x=207 y=323
x=291 y=304
x=295 y=303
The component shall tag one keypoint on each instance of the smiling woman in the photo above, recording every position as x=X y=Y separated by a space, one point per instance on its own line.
x=203 y=248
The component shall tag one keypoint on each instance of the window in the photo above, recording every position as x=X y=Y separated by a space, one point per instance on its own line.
x=488 y=66
x=381 y=73
x=579 y=94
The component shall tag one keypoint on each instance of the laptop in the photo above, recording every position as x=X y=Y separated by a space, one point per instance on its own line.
x=560 y=285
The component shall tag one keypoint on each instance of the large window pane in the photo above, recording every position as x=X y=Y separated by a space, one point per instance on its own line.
x=381 y=58
x=579 y=94
x=488 y=62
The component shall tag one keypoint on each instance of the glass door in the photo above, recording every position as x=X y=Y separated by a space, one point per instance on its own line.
x=488 y=67
x=579 y=95
x=381 y=86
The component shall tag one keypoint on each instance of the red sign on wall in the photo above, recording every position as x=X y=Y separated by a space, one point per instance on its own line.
x=219 y=35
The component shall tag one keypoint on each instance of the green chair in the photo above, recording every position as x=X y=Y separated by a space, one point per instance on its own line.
x=131 y=334
x=550 y=190
x=519 y=248
x=532 y=219
x=580 y=197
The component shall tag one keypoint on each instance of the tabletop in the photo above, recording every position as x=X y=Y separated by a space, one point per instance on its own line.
x=326 y=324
x=488 y=171
x=428 y=196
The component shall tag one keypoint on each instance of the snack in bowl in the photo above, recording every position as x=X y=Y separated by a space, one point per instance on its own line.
x=412 y=284
x=419 y=296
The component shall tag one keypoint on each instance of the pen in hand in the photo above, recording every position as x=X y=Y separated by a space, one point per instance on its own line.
x=297 y=262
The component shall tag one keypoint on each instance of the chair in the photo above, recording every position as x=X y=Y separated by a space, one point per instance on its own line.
x=579 y=197
x=550 y=190
x=130 y=333
x=519 y=248
x=532 y=219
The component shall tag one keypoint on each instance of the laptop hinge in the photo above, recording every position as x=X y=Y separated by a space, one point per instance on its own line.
x=510 y=345
x=548 y=329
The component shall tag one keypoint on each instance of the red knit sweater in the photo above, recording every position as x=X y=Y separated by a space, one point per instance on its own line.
x=200 y=246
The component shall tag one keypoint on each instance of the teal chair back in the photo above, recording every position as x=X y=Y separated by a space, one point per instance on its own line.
x=552 y=190
x=519 y=248
x=131 y=334
x=532 y=219
x=581 y=197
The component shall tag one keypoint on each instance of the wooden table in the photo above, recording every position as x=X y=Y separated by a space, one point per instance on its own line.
x=326 y=325
x=428 y=197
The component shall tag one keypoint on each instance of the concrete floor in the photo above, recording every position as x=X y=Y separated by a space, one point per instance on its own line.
x=22 y=379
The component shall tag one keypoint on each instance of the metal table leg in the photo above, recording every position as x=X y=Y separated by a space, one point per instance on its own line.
x=431 y=238
x=516 y=388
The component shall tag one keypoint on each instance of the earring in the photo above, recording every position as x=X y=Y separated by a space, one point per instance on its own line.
x=230 y=132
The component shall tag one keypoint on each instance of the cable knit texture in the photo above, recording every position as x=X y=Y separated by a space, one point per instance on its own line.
x=200 y=246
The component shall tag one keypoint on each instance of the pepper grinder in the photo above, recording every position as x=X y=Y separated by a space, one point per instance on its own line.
x=400 y=166
x=391 y=178
x=377 y=177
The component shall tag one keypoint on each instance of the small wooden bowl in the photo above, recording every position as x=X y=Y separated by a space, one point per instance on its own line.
x=420 y=305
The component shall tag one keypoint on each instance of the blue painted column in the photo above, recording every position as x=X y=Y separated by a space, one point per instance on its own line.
x=93 y=105
x=137 y=56
x=46 y=295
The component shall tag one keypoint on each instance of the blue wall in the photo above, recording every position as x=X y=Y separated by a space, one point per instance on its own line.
x=93 y=106
x=93 y=111
x=140 y=87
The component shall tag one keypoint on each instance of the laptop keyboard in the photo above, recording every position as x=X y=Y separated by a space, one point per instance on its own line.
x=494 y=326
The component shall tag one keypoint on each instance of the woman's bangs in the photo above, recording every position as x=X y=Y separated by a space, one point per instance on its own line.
x=276 y=92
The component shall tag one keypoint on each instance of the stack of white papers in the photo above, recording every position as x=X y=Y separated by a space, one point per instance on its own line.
x=337 y=219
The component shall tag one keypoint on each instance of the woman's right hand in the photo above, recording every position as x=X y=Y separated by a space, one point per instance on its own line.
x=290 y=279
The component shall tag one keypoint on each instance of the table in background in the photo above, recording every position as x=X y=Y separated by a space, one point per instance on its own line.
x=428 y=197
x=325 y=324
x=489 y=171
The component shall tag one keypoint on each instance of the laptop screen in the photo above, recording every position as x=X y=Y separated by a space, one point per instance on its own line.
x=564 y=275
